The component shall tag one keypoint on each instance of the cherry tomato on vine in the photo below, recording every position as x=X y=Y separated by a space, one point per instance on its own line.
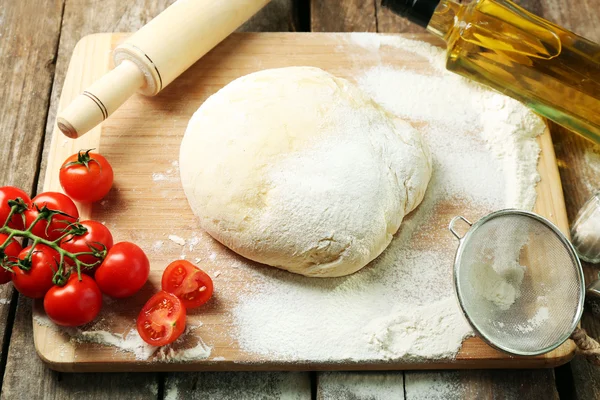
x=12 y=193
x=124 y=270
x=86 y=176
x=97 y=235
x=76 y=303
x=10 y=253
x=54 y=201
x=162 y=319
x=38 y=280
x=188 y=282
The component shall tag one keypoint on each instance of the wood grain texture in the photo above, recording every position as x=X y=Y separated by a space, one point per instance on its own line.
x=236 y=386
x=142 y=139
x=387 y=22
x=360 y=386
x=25 y=92
x=579 y=166
x=458 y=385
x=27 y=377
x=277 y=16
x=81 y=17
x=343 y=16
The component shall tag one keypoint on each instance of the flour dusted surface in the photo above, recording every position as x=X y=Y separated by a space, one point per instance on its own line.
x=402 y=306
x=299 y=169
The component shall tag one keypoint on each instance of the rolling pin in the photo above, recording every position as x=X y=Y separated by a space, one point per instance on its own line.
x=155 y=55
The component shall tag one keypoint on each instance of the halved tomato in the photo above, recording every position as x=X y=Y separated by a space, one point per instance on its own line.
x=188 y=282
x=162 y=319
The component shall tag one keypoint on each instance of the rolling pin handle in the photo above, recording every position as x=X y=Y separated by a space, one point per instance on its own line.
x=100 y=100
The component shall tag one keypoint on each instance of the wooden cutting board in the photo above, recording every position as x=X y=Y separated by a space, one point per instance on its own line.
x=147 y=203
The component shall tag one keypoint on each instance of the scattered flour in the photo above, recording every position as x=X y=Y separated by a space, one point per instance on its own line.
x=403 y=306
x=540 y=316
x=361 y=385
x=193 y=241
x=421 y=331
x=499 y=282
x=177 y=240
x=212 y=257
x=157 y=246
x=5 y=301
x=171 y=174
x=156 y=177
x=131 y=342
x=169 y=354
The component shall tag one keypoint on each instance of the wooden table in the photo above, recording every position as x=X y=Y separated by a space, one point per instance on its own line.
x=36 y=41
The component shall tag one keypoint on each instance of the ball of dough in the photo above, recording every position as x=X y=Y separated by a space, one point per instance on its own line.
x=301 y=170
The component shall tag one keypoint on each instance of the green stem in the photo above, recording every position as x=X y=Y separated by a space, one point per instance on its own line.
x=54 y=245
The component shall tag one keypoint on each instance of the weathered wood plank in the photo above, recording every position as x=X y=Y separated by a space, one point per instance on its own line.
x=360 y=386
x=343 y=16
x=279 y=15
x=579 y=166
x=465 y=383
x=27 y=377
x=491 y=384
x=27 y=55
x=389 y=22
x=238 y=385
x=25 y=373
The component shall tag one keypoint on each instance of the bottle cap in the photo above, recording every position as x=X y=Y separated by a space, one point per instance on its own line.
x=417 y=11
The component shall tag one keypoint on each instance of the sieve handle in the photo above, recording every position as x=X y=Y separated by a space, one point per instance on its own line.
x=454 y=220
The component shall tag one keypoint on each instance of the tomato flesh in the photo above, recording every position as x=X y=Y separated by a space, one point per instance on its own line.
x=162 y=319
x=188 y=282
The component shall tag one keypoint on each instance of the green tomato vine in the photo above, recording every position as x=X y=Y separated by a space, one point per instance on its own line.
x=64 y=269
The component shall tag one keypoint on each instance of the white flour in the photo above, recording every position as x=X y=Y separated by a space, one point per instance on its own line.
x=420 y=331
x=402 y=306
x=501 y=283
x=177 y=240
x=131 y=342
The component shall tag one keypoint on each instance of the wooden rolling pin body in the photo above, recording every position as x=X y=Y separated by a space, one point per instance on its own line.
x=155 y=55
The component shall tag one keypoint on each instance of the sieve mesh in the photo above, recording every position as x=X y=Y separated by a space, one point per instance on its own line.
x=519 y=282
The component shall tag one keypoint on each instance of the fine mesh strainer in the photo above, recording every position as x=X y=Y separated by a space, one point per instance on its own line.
x=518 y=281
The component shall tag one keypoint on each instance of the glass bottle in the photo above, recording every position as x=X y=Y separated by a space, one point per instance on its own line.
x=548 y=68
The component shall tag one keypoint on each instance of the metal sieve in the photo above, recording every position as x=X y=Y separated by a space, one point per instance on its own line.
x=518 y=281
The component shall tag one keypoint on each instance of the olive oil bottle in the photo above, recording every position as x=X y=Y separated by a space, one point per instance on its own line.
x=550 y=69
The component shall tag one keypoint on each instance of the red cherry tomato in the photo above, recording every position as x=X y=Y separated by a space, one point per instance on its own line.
x=12 y=193
x=86 y=177
x=54 y=201
x=97 y=235
x=162 y=319
x=188 y=282
x=124 y=270
x=76 y=303
x=10 y=253
x=38 y=280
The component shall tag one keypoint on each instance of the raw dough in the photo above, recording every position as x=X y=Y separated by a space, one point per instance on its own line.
x=301 y=170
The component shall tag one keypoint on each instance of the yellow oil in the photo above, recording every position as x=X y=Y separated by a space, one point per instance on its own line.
x=553 y=71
